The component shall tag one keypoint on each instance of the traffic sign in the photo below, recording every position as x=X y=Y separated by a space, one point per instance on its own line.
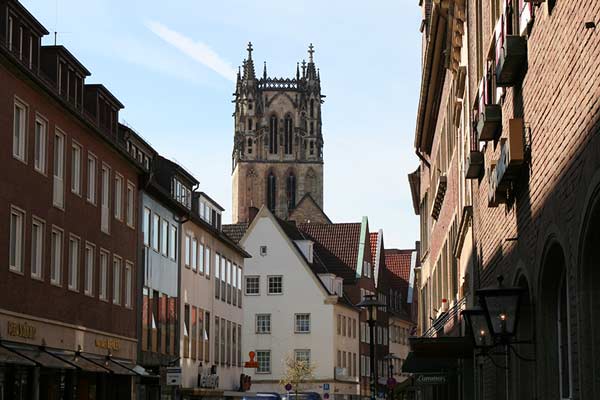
x=326 y=386
x=326 y=396
x=252 y=363
x=288 y=387
x=173 y=376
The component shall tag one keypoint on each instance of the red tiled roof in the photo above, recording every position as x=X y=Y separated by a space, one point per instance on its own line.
x=336 y=245
x=373 y=239
x=398 y=262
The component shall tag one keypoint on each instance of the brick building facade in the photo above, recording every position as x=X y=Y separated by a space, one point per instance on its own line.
x=521 y=184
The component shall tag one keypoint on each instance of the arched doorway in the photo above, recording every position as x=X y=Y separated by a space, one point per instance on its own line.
x=589 y=303
x=522 y=370
x=553 y=340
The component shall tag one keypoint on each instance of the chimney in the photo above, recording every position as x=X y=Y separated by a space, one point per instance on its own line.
x=252 y=211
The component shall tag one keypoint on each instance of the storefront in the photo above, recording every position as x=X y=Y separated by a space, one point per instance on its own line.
x=41 y=359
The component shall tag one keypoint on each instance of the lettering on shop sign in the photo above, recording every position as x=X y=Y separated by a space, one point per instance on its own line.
x=110 y=344
x=431 y=379
x=24 y=330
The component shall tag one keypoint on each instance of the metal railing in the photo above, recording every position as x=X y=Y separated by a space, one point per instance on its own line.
x=443 y=319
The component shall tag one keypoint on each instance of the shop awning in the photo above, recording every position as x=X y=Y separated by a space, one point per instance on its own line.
x=81 y=362
x=38 y=355
x=442 y=347
x=121 y=367
x=10 y=357
x=415 y=364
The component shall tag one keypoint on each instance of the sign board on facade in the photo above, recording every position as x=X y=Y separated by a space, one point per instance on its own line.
x=209 y=381
x=173 y=376
x=326 y=386
x=110 y=344
x=252 y=363
x=431 y=379
x=23 y=330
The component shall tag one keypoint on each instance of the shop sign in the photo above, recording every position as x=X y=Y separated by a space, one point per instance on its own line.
x=23 y=330
x=209 y=381
x=173 y=376
x=109 y=344
x=431 y=379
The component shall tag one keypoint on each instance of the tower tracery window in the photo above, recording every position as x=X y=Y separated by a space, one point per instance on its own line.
x=312 y=108
x=290 y=191
x=249 y=147
x=271 y=191
x=249 y=124
x=273 y=135
x=288 y=135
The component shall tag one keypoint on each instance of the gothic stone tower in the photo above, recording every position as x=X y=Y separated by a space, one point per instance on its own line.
x=278 y=144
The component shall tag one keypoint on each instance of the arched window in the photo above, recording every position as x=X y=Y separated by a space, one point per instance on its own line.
x=312 y=108
x=288 y=135
x=249 y=124
x=312 y=148
x=562 y=325
x=290 y=191
x=273 y=135
x=249 y=147
x=271 y=192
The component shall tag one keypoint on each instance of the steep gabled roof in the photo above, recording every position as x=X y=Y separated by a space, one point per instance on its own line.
x=235 y=231
x=337 y=245
x=308 y=211
x=373 y=237
x=398 y=263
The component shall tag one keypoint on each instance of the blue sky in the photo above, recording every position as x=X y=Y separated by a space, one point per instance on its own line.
x=170 y=63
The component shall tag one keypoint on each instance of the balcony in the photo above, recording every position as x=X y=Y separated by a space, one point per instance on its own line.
x=506 y=170
x=511 y=59
x=489 y=123
x=475 y=163
x=440 y=193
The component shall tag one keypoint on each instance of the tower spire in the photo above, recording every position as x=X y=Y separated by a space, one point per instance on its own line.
x=265 y=70
x=249 y=50
x=311 y=73
x=311 y=51
x=303 y=68
x=297 y=70
x=248 y=65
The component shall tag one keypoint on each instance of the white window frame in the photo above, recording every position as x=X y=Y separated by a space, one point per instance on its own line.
x=58 y=170
x=130 y=204
x=194 y=254
x=74 y=262
x=117 y=272
x=38 y=248
x=259 y=370
x=188 y=246
x=266 y=324
x=128 y=282
x=76 y=160
x=164 y=240
x=89 y=263
x=146 y=226
x=296 y=320
x=56 y=260
x=200 y=257
x=10 y=32
x=269 y=292
x=105 y=198
x=40 y=145
x=155 y=238
x=207 y=262
x=248 y=277
x=103 y=266
x=298 y=352
x=118 y=190
x=18 y=265
x=91 y=178
x=19 y=136
x=173 y=242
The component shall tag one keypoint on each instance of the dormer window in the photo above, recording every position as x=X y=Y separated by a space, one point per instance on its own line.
x=182 y=193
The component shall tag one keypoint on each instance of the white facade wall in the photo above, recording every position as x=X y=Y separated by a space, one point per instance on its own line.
x=302 y=293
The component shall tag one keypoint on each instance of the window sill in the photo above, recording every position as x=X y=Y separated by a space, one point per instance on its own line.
x=72 y=289
x=275 y=294
x=37 y=278
x=302 y=333
x=57 y=284
x=16 y=271
x=89 y=294
x=41 y=172
x=23 y=160
x=252 y=294
x=91 y=202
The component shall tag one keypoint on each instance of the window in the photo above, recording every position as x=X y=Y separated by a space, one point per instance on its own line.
x=88 y=287
x=117 y=280
x=263 y=250
x=17 y=239
x=302 y=324
x=10 y=33
x=217 y=340
x=194 y=251
x=41 y=136
x=105 y=198
x=128 y=283
x=155 y=231
x=264 y=361
x=76 y=169
x=249 y=145
x=181 y=193
x=290 y=191
x=186 y=330
x=339 y=324
x=130 y=204
x=271 y=191
x=56 y=256
x=73 y=263
x=223 y=340
x=58 y=192
x=343 y=325
x=288 y=136
x=37 y=247
x=302 y=356
x=201 y=258
x=172 y=243
x=263 y=323
x=20 y=132
x=91 y=179
x=275 y=285
x=188 y=241
x=164 y=240
x=146 y=226
x=118 y=197
x=312 y=108
x=207 y=258
x=273 y=133
x=217 y=276
x=103 y=284
x=207 y=336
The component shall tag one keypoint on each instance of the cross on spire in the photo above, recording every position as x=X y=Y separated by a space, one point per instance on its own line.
x=249 y=50
x=311 y=51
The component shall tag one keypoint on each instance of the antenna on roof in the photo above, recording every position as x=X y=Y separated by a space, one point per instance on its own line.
x=56 y=31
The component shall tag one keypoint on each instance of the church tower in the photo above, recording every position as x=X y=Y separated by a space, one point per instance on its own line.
x=278 y=143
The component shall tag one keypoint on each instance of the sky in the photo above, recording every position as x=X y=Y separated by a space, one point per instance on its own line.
x=172 y=64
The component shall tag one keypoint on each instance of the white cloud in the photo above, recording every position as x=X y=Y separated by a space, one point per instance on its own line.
x=198 y=51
